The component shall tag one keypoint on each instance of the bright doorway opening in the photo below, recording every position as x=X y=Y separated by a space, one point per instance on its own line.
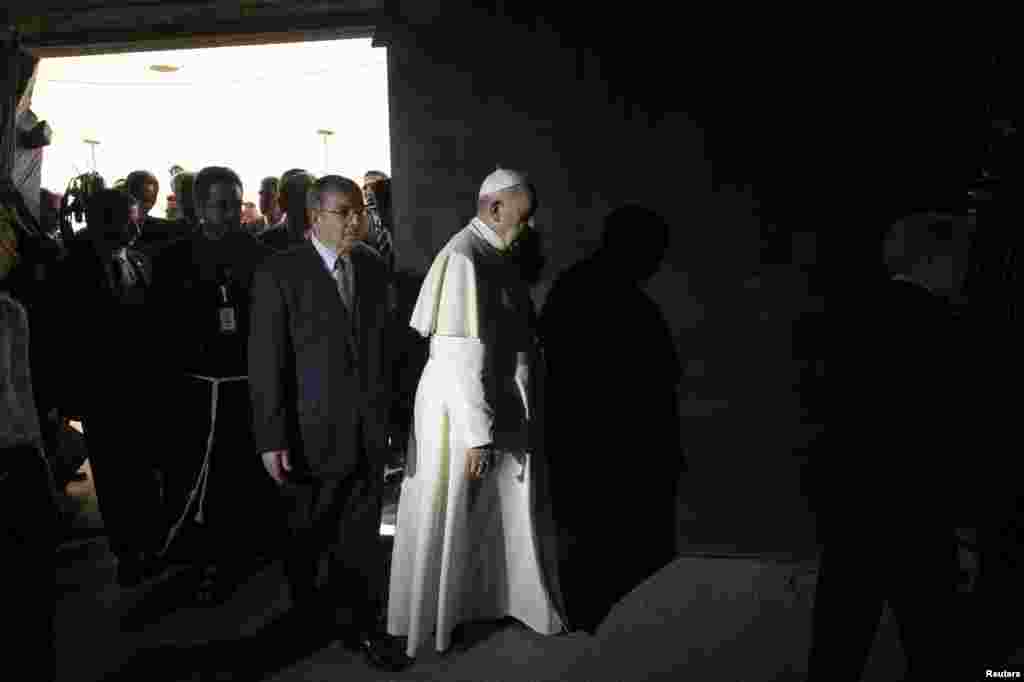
x=258 y=109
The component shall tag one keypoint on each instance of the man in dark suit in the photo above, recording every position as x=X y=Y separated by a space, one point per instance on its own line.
x=153 y=231
x=320 y=357
x=888 y=523
x=109 y=284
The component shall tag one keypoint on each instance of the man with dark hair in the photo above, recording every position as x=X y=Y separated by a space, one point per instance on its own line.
x=378 y=202
x=295 y=227
x=183 y=184
x=372 y=176
x=112 y=284
x=153 y=232
x=270 y=204
x=900 y=545
x=320 y=363
x=203 y=288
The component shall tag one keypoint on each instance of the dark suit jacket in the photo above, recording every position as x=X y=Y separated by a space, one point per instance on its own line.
x=280 y=237
x=913 y=440
x=108 y=332
x=316 y=391
x=156 y=233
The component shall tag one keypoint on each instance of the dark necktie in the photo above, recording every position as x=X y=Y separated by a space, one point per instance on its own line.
x=125 y=271
x=341 y=269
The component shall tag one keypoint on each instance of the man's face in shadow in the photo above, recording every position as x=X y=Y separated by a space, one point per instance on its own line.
x=148 y=200
x=222 y=209
x=268 y=199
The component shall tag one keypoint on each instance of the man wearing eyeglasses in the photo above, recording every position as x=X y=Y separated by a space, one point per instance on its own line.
x=320 y=363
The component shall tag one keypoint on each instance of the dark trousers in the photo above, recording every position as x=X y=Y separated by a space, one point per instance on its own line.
x=907 y=560
x=240 y=514
x=121 y=447
x=28 y=527
x=334 y=558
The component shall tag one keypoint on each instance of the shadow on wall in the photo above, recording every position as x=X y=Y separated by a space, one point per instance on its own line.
x=612 y=402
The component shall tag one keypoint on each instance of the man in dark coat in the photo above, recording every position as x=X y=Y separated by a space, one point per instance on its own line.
x=320 y=358
x=888 y=521
x=202 y=292
x=110 y=285
x=295 y=227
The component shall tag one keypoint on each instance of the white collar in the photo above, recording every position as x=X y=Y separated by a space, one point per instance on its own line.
x=484 y=231
x=328 y=255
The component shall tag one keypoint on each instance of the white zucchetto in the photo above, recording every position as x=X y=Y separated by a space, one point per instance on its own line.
x=500 y=179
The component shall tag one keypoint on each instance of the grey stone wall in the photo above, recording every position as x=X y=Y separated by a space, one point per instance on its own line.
x=459 y=106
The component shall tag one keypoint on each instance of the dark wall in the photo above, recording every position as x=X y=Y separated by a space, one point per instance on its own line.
x=460 y=104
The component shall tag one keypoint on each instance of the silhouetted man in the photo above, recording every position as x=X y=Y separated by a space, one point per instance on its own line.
x=28 y=510
x=153 y=231
x=296 y=226
x=111 y=311
x=377 y=191
x=612 y=417
x=270 y=205
x=183 y=185
x=888 y=526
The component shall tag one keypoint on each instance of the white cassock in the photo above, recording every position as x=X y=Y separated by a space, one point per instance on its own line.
x=468 y=551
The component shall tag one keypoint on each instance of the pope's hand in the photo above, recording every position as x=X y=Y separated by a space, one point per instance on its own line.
x=277 y=465
x=477 y=461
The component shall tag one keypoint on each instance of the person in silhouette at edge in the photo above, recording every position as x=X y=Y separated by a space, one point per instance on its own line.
x=28 y=508
x=187 y=220
x=612 y=416
x=888 y=522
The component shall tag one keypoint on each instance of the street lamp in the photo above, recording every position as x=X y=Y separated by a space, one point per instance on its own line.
x=92 y=144
x=325 y=134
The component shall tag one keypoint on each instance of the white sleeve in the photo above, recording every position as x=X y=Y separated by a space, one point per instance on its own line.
x=448 y=311
x=471 y=413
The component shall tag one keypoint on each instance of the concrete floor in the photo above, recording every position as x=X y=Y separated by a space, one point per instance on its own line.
x=704 y=617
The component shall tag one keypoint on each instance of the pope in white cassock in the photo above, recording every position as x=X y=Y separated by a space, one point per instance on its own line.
x=466 y=544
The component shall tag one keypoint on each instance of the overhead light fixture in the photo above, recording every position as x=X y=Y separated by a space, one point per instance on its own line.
x=164 y=68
